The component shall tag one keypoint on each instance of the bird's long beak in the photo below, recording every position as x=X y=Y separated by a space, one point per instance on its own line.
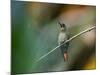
x=60 y=24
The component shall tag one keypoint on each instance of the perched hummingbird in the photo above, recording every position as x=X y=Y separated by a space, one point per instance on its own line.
x=63 y=36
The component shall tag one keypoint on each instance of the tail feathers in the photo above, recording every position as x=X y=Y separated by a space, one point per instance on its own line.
x=65 y=57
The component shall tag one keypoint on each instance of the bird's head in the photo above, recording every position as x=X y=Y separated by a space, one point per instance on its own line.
x=62 y=26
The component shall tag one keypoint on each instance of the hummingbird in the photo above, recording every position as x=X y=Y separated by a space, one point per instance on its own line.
x=63 y=36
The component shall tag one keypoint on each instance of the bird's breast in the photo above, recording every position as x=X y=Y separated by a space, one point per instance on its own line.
x=62 y=37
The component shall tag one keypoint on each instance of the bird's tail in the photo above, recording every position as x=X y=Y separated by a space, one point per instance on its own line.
x=65 y=56
x=64 y=49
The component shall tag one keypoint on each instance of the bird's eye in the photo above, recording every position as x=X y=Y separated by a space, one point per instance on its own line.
x=63 y=25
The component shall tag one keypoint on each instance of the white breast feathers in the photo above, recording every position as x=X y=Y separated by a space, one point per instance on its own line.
x=62 y=37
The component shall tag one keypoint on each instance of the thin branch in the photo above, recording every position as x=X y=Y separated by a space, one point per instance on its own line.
x=89 y=29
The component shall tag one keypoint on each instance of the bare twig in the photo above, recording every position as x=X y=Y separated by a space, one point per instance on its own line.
x=89 y=29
